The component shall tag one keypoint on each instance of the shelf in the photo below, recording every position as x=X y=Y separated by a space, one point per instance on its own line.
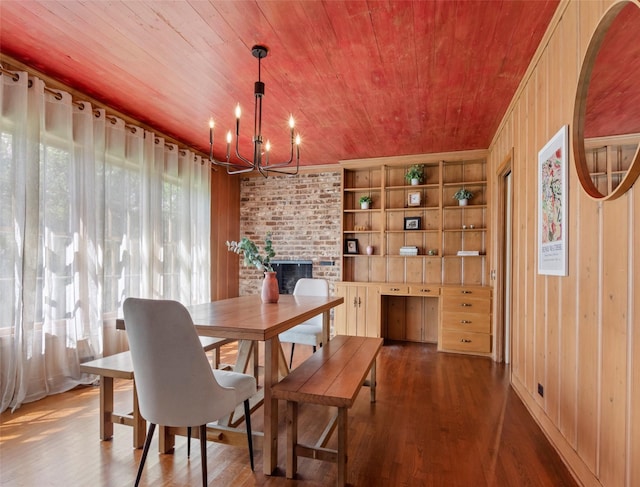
x=435 y=230
x=465 y=207
x=464 y=230
x=415 y=208
x=413 y=186
x=358 y=210
x=364 y=190
x=361 y=231
x=465 y=183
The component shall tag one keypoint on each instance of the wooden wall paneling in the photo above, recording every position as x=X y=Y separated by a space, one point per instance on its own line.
x=588 y=270
x=378 y=269
x=527 y=191
x=568 y=405
x=415 y=318
x=634 y=349
x=613 y=397
x=554 y=87
x=541 y=134
x=431 y=319
x=225 y=225
x=395 y=317
x=395 y=269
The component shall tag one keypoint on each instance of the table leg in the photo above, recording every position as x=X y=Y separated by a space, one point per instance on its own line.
x=373 y=382
x=139 y=423
x=106 y=407
x=270 y=446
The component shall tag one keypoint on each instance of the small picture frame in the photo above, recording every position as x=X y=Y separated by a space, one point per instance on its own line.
x=412 y=222
x=351 y=246
x=414 y=199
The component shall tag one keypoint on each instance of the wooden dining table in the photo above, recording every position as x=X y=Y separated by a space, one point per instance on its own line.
x=249 y=320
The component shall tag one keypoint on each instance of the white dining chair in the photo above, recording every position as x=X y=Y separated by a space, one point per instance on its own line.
x=175 y=383
x=309 y=332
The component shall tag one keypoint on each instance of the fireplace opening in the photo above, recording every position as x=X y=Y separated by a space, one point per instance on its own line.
x=289 y=271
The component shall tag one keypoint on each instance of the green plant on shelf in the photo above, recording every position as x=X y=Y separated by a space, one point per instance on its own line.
x=366 y=199
x=463 y=194
x=415 y=172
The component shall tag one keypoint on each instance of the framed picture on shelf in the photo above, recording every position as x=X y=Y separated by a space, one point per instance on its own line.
x=412 y=222
x=553 y=244
x=351 y=246
x=414 y=199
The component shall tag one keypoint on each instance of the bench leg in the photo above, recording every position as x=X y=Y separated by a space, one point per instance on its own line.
x=342 y=446
x=292 y=438
x=106 y=407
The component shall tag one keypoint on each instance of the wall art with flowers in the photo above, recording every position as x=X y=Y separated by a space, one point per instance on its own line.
x=553 y=241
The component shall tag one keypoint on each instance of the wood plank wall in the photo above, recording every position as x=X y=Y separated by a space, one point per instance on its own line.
x=225 y=225
x=577 y=335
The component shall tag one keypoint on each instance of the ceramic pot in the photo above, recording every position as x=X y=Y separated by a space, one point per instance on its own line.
x=369 y=250
x=415 y=182
x=364 y=206
x=463 y=202
x=270 y=292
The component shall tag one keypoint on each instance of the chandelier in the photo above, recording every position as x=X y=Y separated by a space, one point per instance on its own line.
x=260 y=160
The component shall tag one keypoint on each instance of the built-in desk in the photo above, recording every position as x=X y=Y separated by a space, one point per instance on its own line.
x=457 y=318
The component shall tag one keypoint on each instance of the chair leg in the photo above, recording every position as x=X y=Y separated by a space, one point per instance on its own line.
x=293 y=345
x=314 y=349
x=147 y=443
x=203 y=453
x=188 y=441
x=247 y=420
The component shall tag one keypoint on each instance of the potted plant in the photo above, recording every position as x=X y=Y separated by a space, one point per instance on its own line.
x=365 y=201
x=252 y=257
x=463 y=196
x=415 y=174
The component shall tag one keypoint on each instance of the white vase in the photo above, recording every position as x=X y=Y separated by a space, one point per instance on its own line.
x=415 y=181
x=463 y=202
x=369 y=250
x=364 y=206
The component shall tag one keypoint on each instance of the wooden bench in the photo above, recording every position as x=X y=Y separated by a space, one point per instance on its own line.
x=332 y=376
x=119 y=366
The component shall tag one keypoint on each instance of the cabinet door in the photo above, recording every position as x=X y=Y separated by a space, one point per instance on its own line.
x=370 y=315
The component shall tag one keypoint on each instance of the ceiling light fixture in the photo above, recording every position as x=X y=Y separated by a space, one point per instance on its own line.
x=260 y=161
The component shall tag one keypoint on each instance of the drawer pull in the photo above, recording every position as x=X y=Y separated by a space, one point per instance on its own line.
x=465 y=340
x=466 y=292
x=465 y=322
x=394 y=289
x=466 y=305
x=425 y=290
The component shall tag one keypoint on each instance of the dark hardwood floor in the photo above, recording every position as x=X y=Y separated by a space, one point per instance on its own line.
x=439 y=420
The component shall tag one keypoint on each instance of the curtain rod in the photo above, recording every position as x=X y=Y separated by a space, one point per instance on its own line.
x=113 y=119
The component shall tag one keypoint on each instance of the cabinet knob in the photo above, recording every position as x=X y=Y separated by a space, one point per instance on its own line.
x=466 y=292
x=465 y=340
x=466 y=305
x=465 y=322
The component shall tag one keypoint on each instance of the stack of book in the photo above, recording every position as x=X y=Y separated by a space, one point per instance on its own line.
x=468 y=252
x=408 y=250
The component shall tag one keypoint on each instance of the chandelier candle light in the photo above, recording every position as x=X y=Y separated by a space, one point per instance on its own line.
x=260 y=160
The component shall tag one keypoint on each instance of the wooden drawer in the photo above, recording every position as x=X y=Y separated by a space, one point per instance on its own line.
x=401 y=289
x=466 y=341
x=471 y=292
x=476 y=322
x=424 y=290
x=466 y=304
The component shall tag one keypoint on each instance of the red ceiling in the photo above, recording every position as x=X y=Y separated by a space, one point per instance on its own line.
x=362 y=78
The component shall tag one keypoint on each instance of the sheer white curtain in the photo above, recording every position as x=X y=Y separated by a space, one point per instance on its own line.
x=91 y=211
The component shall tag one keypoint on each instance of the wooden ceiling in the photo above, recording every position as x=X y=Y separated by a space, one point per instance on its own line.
x=362 y=78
